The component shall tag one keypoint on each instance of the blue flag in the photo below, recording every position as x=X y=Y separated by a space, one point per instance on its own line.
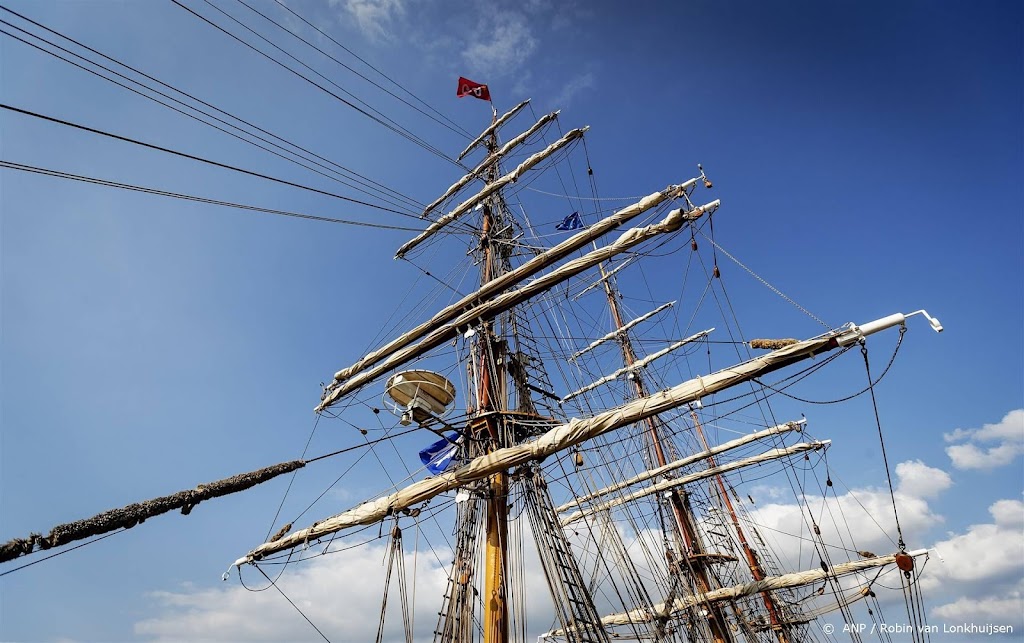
x=571 y=222
x=439 y=455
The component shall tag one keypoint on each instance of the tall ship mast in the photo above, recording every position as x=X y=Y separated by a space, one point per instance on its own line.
x=573 y=446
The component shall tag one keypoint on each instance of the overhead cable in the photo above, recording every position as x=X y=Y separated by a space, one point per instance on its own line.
x=201 y=159
x=241 y=138
x=382 y=120
x=345 y=171
x=450 y=124
x=188 y=197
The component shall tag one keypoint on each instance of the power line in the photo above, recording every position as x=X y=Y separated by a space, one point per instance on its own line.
x=344 y=171
x=451 y=125
x=188 y=197
x=394 y=127
x=201 y=160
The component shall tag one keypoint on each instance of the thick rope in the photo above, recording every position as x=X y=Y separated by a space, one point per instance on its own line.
x=135 y=513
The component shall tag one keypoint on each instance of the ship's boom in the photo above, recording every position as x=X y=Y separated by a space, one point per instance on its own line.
x=505 y=301
x=796 y=579
x=672 y=483
x=523 y=272
x=650 y=474
x=575 y=432
x=490 y=189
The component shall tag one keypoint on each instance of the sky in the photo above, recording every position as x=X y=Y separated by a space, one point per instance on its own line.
x=869 y=160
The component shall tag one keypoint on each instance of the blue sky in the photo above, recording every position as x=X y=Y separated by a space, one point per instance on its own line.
x=869 y=160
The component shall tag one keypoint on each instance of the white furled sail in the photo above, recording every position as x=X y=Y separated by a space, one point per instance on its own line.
x=489 y=161
x=796 y=579
x=575 y=432
x=638 y=364
x=493 y=127
x=672 y=483
x=505 y=301
x=490 y=189
x=525 y=271
x=619 y=332
x=650 y=474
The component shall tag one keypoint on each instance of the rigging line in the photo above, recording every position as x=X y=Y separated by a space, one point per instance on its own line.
x=291 y=480
x=360 y=446
x=380 y=120
x=362 y=180
x=187 y=197
x=293 y=604
x=360 y=59
x=763 y=281
x=201 y=159
x=586 y=198
x=881 y=440
x=848 y=397
x=455 y=129
x=241 y=138
x=63 y=551
x=368 y=443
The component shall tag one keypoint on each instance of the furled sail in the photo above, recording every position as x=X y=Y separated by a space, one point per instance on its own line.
x=796 y=579
x=499 y=304
x=493 y=127
x=638 y=364
x=574 y=432
x=619 y=331
x=490 y=160
x=650 y=474
x=490 y=189
x=672 y=483
x=528 y=269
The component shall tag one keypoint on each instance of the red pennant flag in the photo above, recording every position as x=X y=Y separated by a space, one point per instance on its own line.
x=476 y=90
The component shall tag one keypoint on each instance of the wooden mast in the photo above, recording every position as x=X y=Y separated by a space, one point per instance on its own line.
x=490 y=393
x=777 y=623
x=684 y=522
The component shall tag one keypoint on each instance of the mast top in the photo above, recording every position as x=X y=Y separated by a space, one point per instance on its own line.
x=493 y=127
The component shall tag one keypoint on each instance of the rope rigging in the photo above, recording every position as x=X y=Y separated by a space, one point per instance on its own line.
x=188 y=197
x=446 y=122
x=368 y=186
x=200 y=159
x=381 y=119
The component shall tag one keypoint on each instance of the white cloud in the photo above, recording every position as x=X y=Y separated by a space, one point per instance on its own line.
x=997 y=611
x=1007 y=436
x=985 y=565
x=341 y=593
x=918 y=479
x=373 y=16
x=986 y=553
x=860 y=519
x=501 y=43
